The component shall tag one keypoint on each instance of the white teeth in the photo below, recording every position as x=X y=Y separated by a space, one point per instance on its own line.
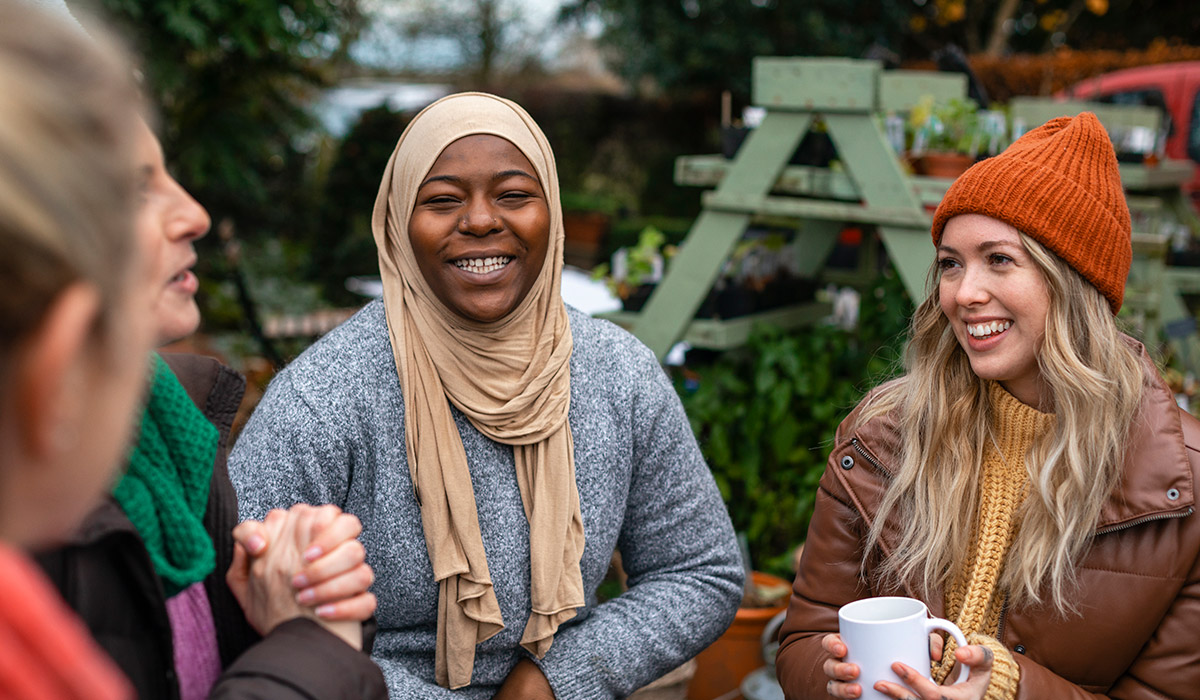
x=983 y=330
x=482 y=266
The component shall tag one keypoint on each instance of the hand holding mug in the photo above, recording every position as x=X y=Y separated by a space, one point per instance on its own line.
x=878 y=636
x=843 y=676
x=976 y=659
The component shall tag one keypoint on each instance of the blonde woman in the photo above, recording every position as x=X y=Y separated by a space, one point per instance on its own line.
x=73 y=330
x=1030 y=477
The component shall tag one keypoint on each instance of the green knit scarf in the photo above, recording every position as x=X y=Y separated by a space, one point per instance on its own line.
x=165 y=491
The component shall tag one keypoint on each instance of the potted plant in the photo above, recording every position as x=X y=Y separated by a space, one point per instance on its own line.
x=637 y=269
x=946 y=137
x=586 y=219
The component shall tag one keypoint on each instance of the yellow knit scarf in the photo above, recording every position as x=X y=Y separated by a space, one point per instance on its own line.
x=974 y=600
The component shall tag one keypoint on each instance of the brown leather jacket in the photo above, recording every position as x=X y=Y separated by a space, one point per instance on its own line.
x=1138 y=632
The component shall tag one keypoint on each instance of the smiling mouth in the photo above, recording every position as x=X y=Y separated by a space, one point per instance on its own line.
x=482 y=266
x=983 y=331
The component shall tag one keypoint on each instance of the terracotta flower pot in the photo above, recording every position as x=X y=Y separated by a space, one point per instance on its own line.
x=947 y=165
x=584 y=233
x=721 y=667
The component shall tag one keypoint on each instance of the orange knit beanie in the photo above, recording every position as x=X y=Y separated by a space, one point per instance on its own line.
x=1059 y=185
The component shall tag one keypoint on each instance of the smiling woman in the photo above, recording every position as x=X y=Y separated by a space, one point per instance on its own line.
x=1030 y=478
x=496 y=444
x=480 y=227
x=994 y=297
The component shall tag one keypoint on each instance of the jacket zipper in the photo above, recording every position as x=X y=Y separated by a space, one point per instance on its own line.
x=867 y=456
x=1146 y=519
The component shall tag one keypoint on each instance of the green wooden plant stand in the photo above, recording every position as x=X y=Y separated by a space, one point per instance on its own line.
x=872 y=188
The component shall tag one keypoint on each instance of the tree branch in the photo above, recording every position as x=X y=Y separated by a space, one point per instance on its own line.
x=998 y=40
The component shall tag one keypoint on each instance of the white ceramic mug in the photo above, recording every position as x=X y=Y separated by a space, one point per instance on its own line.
x=878 y=632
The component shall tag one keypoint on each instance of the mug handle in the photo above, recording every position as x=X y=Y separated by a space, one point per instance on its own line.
x=938 y=623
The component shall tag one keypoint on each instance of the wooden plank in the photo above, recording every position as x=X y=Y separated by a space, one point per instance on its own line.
x=1166 y=174
x=803 y=180
x=901 y=90
x=821 y=84
x=722 y=334
x=1035 y=111
x=816 y=209
x=868 y=157
x=814 y=242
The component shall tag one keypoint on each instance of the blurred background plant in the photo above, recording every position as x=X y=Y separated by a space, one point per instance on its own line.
x=765 y=414
x=951 y=126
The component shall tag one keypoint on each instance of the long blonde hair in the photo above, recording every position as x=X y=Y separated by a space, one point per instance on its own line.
x=1094 y=380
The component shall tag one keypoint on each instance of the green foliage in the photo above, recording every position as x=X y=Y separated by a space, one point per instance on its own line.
x=578 y=200
x=951 y=126
x=640 y=261
x=343 y=244
x=765 y=414
x=230 y=80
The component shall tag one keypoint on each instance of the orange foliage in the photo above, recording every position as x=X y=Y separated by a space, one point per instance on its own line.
x=1044 y=74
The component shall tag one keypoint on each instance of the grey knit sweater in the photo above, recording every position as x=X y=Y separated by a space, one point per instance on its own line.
x=331 y=430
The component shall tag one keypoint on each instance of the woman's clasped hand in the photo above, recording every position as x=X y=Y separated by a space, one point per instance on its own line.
x=303 y=562
x=843 y=676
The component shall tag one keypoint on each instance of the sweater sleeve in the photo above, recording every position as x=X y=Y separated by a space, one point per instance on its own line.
x=301 y=660
x=288 y=454
x=404 y=685
x=678 y=548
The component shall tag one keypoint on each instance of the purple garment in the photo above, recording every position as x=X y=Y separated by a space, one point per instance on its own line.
x=197 y=661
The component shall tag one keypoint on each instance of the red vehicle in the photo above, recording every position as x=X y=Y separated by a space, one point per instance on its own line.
x=1171 y=87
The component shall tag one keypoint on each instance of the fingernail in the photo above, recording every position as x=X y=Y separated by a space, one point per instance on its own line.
x=255 y=544
x=325 y=611
x=299 y=581
x=306 y=596
x=312 y=553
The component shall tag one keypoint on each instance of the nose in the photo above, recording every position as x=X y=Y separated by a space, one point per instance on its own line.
x=187 y=220
x=972 y=288
x=478 y=218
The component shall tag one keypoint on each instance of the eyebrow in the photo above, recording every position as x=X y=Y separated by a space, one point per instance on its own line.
x=985 y=246
x=458 y=180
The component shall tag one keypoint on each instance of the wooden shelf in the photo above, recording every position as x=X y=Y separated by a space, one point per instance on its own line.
x=802 y=180
x=722 y=334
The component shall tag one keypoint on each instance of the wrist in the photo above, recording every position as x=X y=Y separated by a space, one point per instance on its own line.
x=349 y=631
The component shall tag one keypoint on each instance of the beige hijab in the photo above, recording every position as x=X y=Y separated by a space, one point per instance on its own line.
x=511 y=378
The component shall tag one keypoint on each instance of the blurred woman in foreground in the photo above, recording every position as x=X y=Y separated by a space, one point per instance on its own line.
x=74 y=329
x=184 y=608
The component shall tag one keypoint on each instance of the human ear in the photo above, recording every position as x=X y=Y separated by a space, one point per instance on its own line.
x=51 y=374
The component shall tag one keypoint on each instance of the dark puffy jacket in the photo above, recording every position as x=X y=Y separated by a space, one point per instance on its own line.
x=106 y=576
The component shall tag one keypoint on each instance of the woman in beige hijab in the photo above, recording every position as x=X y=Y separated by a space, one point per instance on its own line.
x=496 y=444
